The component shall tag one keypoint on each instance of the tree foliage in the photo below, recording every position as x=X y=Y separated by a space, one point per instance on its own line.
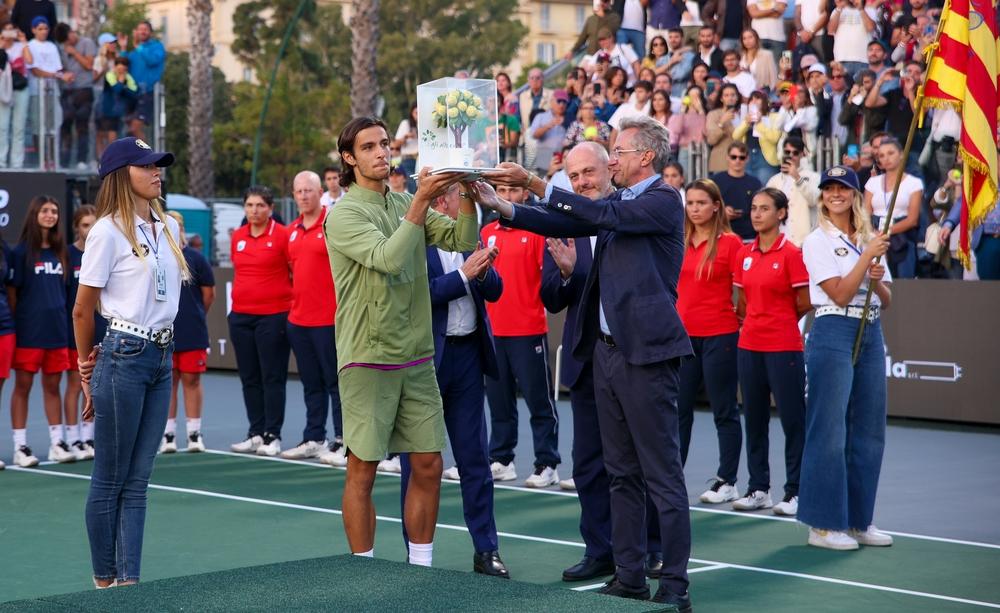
x=123 y=17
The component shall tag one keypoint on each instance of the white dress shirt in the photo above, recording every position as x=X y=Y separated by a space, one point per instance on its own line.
x=461 y=311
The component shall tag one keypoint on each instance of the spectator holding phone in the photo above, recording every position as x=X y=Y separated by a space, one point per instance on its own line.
x=852 y=26
x=761 y=130
x=13 y=108
x=801 y=185
x=720 y=124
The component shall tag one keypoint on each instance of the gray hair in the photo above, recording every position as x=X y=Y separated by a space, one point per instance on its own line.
x=650 y=135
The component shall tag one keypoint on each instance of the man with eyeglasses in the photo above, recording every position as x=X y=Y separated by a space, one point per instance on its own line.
x=549 y=131
x=839 y=89
x=801 y=185
x=628 y=326
x=532 y=101
x=737 y=189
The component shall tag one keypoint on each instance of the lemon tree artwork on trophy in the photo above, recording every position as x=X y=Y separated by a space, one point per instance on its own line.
x=457 y=123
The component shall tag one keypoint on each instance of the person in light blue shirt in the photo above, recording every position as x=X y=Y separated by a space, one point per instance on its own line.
x=147 y=59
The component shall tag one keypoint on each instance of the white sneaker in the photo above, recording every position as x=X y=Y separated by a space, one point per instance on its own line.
x=335 y=454
x=195 y=442
x=270 y=446
x=753 y=500
x=24 y=458
x=503 y=472
x=543 y=476
x=568 y=484
x=390 y=465
x=451 y=474
x=60 y=452
x=831 y=539
x=873 y=537
x=305 y=449
x=2 y=465
x=719 y=492
x=789 y=506
x=250 y=445
x=169 y=443
x=82 y=451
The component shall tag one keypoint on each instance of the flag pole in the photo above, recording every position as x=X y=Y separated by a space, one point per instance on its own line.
x=918 y=111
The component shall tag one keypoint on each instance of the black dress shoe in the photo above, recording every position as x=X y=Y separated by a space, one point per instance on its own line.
x=654 y=564
x=489 y=563
x=617 y=588
x=681 y=602
x=588 y=568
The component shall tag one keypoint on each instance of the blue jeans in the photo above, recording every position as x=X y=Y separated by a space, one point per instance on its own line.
x=853 y=68
x=845 y=425
x=760 y=168
x=635 y=38
x=131 y=392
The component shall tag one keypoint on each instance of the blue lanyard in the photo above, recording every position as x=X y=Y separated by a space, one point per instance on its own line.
x=154 y=245
x=853 y=247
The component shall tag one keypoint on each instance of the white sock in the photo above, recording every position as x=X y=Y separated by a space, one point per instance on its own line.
x=73 y=433
x=366 y=554
x=421 y=554
x=20 y=438
x=193 y=425
x=171 y=427
x=87 y=430
x=56 y=434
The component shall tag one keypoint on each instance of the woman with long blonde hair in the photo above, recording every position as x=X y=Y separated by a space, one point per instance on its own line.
x=705 y=305
x=846 y=406
x=133 y=268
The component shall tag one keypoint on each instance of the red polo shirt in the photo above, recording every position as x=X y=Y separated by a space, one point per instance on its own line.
x=314 y=302
x=769 y=281
x=261 y=285
x=705 y=304
x=519 y=312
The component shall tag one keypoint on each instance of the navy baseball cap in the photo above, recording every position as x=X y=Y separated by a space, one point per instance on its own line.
x=840 y=174
x=131 y=151
x=40 y=19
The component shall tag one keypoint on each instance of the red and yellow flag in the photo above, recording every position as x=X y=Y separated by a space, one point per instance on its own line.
x=964 y=74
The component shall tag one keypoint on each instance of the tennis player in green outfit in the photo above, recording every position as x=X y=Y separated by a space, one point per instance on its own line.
x=377 y=241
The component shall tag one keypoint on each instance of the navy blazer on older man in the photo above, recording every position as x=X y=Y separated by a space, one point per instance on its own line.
x=448 y=287
x=640 y=247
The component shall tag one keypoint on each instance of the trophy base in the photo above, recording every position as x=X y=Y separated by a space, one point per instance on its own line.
x=469 y=173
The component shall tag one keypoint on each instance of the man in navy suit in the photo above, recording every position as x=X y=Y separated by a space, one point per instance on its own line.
x=564 y=274
x=460 y=285
x=628 y=321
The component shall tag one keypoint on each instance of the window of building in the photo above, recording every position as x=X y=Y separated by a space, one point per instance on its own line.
x=545 y=15
x=581 y=17
x=546 y=53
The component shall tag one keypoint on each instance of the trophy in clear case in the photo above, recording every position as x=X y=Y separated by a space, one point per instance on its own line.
x=457 y=125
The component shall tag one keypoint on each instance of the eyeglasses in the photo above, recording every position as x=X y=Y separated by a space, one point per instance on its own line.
x=790 y=152
x=737 y=157
x=560 y=102
x=659 y=44
x=616 y=152
x=836 y=76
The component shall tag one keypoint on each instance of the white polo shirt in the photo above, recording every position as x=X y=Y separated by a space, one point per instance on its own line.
x=127 y=280
x=829 y=253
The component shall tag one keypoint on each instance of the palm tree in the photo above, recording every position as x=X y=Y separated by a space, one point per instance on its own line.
x=201 y=174
x=364 y=45
x=88 y=19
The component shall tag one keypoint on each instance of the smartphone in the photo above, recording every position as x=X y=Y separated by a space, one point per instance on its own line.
x=786 y=55
x=597 y=88
x=852 y=151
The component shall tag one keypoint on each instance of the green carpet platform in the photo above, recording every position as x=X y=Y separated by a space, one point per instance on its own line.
x=339 y=583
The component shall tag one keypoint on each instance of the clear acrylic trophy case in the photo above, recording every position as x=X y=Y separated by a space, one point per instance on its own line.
x=457 y=125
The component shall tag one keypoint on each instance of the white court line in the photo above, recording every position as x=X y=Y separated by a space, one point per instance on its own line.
x=923 y=537
x=584 y=588
x=691 y=571
x=712 y=563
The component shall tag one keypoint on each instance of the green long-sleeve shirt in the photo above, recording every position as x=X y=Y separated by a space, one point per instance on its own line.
x=379 y=264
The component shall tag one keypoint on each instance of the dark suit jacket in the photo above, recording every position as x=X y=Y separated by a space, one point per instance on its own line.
x=640 y=246
x=448 y=287
x=714 y=60
x=556 y=296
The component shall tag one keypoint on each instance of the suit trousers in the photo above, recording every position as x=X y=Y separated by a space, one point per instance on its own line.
x=461 y=382
x=261 y=346
x=637 y=409
x=522 y=362
x=590 y=477
x=316 y=355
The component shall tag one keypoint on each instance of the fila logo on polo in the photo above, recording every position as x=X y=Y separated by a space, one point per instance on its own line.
x=491 y=241
x=293 y=236
x=240 y=246
x=48 y=268
x=747 y=263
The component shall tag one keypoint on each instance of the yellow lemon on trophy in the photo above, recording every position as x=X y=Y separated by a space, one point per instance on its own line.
x=462 y=106
x=452 y=98
x=453 y=112
x=471 y=112
x=590 y=132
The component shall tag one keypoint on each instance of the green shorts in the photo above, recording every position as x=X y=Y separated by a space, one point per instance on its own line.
x=394 y=411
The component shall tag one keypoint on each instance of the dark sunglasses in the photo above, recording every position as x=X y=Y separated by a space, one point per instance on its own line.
x=790 y=152
x=659 y=44
x=836 y=76
x=737 y=157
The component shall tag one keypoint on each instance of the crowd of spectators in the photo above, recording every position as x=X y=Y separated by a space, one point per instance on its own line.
x=94 y=91
x=763 y=92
